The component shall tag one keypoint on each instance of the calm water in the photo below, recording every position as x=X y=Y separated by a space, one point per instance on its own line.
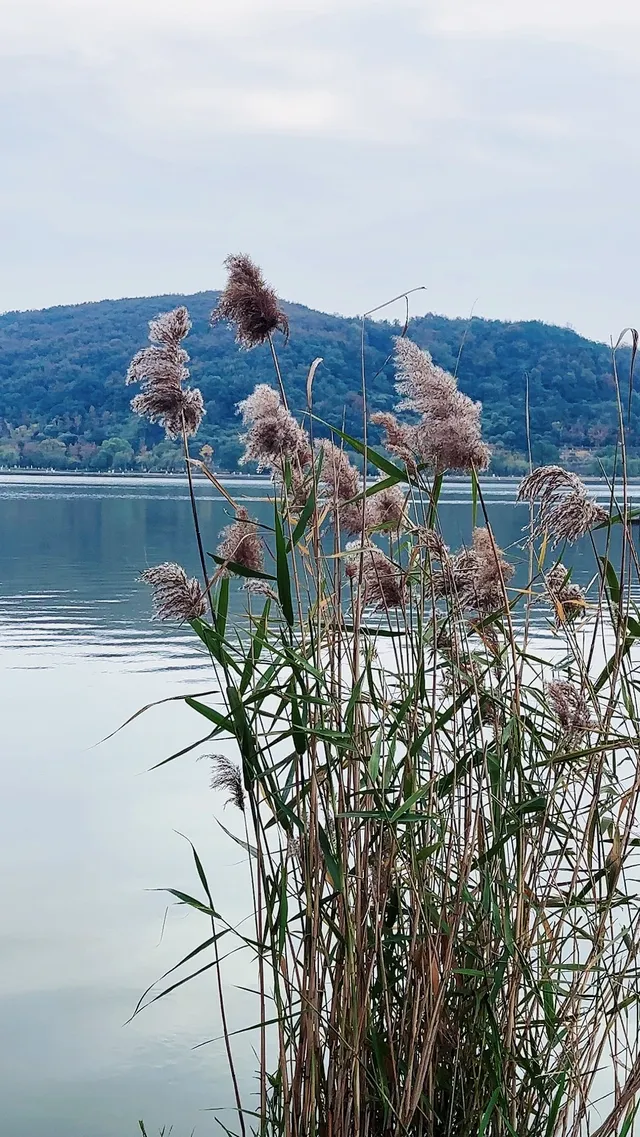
x=87 y=834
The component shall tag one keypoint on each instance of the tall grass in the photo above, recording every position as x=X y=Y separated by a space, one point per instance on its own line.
x=439 y=817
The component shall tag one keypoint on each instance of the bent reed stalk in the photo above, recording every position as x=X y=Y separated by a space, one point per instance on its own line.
x=440 y=818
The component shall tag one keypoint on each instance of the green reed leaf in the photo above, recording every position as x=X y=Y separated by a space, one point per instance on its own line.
x=255 y=649
x=209 y=713
x=282 y=571
x=245 y=738
x=332 y=861
x=613 y=584
x=241 y=570
x=555 y=1105
x=302 y=521
x=372 y=456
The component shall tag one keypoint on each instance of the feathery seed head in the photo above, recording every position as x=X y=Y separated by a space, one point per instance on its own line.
x=249 y=304
x=227 y=776
x=566 y=511
x=175 y=595
x=568 y=600
x=448 y=435
x=257 y=587
x=454 y=442
x=386 y=508
x=570 y=707
x=384 y=582
x=170 y=327
x=475 y=578
x=273 y=436
x=341 y=482
x=241 y=543
x=400 y=439
x=430 y=540
x=161 y=370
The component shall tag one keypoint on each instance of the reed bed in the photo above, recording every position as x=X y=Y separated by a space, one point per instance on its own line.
x=439 y=819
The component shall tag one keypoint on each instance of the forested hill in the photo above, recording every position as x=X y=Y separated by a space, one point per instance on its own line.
x=64 y=403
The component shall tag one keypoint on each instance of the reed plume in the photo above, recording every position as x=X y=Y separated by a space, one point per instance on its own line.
x=249 y=304
x=176 y=596
x=448 y=435
x=475 y=578
x=387 y=507
x=162 y=372
x=432 y=541
x=227 y=776
x=241 y=544
x=400 y=438
x=384 y=583
x=566 y=511
x=273 y=437
x=568 y=600
x=340 y=481
x=570 y=707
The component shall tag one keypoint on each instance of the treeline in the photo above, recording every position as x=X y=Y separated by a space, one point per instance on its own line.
x=64 y=403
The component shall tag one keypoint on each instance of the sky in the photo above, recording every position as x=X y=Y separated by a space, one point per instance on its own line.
x=484 y=149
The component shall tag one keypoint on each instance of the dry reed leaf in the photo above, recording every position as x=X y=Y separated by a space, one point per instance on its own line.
x=311 y=376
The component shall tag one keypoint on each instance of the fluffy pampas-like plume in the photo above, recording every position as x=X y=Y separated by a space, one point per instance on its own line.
x=341 y=482
x=383 y=581
x=249 y=304
x=400 y=439
x=568 y=600
x=273 y=436
x=241 y=543
x=475 y=578
x=175 y=595
x=570 y=707
x=566 y=511
x=432 y=541
x=162 y=372
x=227 y=776
x=448 y=435
x=387 y=507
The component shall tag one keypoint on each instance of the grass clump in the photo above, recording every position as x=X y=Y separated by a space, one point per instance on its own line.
x=440 y=818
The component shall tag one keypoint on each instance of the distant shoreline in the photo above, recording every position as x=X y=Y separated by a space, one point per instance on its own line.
x=239 y=479
x=17 y=471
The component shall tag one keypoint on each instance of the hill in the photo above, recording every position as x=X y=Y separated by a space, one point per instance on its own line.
x=64 y=404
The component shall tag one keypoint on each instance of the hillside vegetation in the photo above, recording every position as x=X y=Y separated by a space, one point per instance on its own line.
x=64 y=403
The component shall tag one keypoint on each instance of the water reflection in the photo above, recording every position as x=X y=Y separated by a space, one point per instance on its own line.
x=85 y=832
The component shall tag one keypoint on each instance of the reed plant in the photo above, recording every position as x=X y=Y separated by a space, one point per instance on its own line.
x=439 y=813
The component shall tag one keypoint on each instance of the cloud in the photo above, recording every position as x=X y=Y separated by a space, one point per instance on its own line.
x=357 y=147
x=573 y=20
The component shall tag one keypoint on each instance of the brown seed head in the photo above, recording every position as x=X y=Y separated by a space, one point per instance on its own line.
x=383 y=581
x=249 y=304
x=386 y=508
x=241 y=543
x=227 y=776
x=341 y=482
x=162 y=372
x=176 y=596
x=568 y=600
x=475 y=578
x=570 y=707
x=430 y=540
x=273 y=436
x=400 y=439
x=566 y=511
x=448 y=435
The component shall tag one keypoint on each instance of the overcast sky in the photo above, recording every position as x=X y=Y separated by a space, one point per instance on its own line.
x=487 y=149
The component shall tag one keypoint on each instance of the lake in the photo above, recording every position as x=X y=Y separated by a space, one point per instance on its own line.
x=87 y=833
